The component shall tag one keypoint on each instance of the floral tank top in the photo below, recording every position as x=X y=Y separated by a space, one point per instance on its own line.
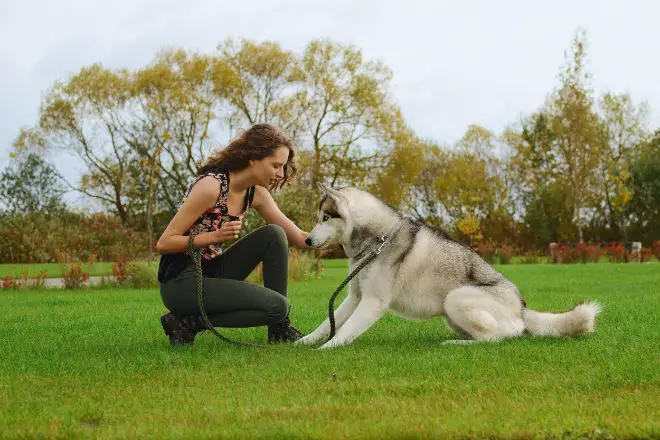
x=215 y=217
x=211 y=220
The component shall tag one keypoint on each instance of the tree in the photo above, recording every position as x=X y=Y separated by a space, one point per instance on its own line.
x=171 y=131
x=534 y=162
x=342 y=105
x=461 y=186
x=259 y=81
x=644 y=206
x=549 y=214
x=31 y=185
x=478 y=141
x=579 y=138
x=142 y=134
x=84 y=116
x=561 y=146
x=172 y=128
x=401 y=168
x=424 y=202
x=625 y=127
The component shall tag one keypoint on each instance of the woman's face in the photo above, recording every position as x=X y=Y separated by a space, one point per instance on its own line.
x=270 y=169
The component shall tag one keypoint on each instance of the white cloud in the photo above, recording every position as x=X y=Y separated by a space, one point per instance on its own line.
x=454 y=63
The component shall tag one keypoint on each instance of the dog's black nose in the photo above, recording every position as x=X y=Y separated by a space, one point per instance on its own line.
x=308 y=241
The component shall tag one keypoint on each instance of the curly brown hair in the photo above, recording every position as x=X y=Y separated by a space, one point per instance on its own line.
x=255 y=143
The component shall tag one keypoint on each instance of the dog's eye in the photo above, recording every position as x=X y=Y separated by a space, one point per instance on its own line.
x=326 y=217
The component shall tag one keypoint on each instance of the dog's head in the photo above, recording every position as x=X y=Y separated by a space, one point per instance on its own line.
x=333 y=224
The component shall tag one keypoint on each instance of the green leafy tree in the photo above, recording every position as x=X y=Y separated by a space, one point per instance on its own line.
x=644 y=206
x=562 y=145
x=578 y=136
x=549 y=215
x=625 y=127
x=31 y=185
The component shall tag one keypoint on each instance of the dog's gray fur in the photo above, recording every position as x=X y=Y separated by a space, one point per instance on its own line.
x=422 y=273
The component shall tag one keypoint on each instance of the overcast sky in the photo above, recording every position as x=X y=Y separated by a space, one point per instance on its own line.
x=454 y=62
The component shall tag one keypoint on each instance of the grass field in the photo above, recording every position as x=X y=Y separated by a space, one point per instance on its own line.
x=95 y=364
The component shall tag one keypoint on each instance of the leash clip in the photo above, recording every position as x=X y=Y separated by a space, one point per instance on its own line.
x=383 y=239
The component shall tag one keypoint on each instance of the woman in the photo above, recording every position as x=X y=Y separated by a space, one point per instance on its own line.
x=231 y=181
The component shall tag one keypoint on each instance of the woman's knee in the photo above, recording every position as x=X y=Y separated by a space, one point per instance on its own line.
x=275 y=233
x=278 y=308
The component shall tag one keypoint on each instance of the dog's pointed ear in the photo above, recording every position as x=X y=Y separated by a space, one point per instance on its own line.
x=329 y=192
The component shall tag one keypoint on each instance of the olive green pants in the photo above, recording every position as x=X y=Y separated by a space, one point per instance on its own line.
x=229 y=301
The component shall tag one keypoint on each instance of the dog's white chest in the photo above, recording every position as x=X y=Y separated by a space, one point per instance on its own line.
x=417 y=306
x=411 y=297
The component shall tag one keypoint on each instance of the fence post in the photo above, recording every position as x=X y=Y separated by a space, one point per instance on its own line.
x=554 y=254
x=636 y=252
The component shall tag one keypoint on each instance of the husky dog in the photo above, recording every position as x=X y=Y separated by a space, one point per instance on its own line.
x=421 y=273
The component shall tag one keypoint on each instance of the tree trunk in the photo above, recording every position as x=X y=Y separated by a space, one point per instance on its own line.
x=150 y=223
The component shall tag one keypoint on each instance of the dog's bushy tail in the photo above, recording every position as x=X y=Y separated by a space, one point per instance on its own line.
x=580 y=320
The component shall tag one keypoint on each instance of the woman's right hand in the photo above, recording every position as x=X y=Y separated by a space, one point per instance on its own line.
x=228 y=231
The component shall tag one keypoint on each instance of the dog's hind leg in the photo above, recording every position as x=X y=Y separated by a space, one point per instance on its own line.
x=342 y=313
x=460 y=334
x=481 y=316
x=368 y=311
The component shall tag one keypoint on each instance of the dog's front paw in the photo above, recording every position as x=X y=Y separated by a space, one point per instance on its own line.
x=333 y=343
x=310 y=339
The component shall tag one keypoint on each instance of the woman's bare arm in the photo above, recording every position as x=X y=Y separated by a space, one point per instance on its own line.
x=268 y=209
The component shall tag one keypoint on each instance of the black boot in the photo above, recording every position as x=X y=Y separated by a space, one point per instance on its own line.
x=181 y=329
x=283 y=332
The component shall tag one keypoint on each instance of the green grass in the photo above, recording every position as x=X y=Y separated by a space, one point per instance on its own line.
x=95 y=364
x=53 y=270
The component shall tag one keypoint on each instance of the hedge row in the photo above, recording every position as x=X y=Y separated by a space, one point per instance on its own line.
x=39 y=238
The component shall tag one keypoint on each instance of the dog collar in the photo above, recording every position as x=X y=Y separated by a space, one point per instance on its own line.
x=383 y=239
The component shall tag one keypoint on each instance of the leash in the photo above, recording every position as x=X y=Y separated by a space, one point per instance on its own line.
x=196 y=255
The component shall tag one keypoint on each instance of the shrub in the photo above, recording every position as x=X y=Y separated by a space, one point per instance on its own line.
x=96 y=237
x=73 y=275
x=119 y=270
x=646 y=254
x=302 y=266
x=40 y=279
x=142 y=274
x=8 y=282
x=257 y=275
x=530 y=257
x=23 y=280
x=616 y=253
x=486 y=251
x=569 y=255
x=588 y=253
x=656 y=248
x=505 y=253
